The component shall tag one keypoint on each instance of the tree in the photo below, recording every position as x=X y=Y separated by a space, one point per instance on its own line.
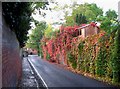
x=111 y=14
x=80 y=19
x=116 y=57
x=90 y=11
x=18 y=16
x=40 y=6
x=48 y=31
x=109 y=21
x=36 y=36
x=106 y=25
x=70 y=21
x=101 y=62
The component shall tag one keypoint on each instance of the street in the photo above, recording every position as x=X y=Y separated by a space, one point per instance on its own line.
x=55 y=76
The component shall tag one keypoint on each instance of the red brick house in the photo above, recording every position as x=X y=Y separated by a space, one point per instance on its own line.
x=89 y=29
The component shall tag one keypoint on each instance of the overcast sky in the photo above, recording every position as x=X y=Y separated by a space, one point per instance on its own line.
x=105 y=4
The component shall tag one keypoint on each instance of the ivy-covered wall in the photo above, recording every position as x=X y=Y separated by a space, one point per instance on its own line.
x=93 y=55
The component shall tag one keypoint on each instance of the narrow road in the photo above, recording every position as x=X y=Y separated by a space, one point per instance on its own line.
x=55 y=76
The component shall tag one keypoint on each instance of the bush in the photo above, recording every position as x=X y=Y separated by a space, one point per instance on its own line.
x=101 y=62
x=72 y=60
x=116 y=58
x=48 y=56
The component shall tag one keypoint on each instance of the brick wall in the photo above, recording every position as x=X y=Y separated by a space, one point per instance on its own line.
x=89 y=30
x=11 y=60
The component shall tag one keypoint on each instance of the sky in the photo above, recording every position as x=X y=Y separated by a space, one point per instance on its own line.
x=105 y=4
x=54 y=16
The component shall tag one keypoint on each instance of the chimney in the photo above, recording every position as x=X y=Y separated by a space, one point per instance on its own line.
x=119 y=10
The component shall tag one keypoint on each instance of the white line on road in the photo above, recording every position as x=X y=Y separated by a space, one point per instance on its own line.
x=38 y=73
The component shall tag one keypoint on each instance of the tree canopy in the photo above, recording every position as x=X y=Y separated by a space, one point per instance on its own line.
x=18 y=16
x=80 y=19
x=35 y=37
x=111 y=14
x=109 y=21
x=89 y=11
x=48 y=31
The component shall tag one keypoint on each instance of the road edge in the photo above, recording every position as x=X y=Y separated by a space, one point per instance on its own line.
x=31 y=64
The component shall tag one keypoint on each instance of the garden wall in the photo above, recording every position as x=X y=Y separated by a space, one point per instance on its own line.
x=11 y=61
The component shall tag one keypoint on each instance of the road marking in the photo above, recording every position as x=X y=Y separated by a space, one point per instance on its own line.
x=38 y=74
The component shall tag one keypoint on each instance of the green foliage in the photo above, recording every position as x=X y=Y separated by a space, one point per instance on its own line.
x=71 y=57
x=80 y=19
x=109 y=62
x=116 y=57
x=108 y=22
x=36 y=36
x=96 y=10
x=74 y=65
x=80 y=47
x=70 y=21
x=92 y=66
x=104 y=63
x=40 y=6
x=50 y=32
x=88 y=11
x=111 y=14
x=72 y=60
x=40 y=53
x=100 y=18
x=18 y=16
x=80 y=56
x=101 y=62
x=48 y=56
x=87 y=57
x=106 y=25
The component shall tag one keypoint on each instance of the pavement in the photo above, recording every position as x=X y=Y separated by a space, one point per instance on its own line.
x=29 y=78
x=54 y=76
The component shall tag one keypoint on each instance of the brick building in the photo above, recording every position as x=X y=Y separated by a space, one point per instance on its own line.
x=88 y=29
